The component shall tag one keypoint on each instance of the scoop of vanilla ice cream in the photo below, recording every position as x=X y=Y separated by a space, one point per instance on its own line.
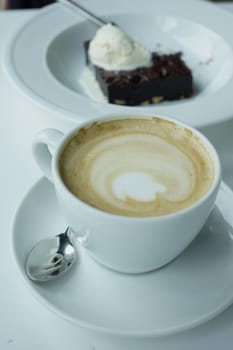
x=112 y=49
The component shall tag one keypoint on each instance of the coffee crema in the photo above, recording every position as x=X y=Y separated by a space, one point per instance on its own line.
x=137 y=167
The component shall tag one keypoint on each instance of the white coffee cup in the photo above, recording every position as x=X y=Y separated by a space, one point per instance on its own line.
x=123 y=243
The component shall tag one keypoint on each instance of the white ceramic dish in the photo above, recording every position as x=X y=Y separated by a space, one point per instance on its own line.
x=192 y=289
x=49 y=71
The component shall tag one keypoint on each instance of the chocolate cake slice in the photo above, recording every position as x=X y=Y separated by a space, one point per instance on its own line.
x=168 y=78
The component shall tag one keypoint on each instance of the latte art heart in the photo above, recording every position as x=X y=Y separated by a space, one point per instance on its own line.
x=137 y=186
x=136 y=167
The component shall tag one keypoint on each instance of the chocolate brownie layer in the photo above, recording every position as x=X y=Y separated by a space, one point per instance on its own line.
x=168 y=78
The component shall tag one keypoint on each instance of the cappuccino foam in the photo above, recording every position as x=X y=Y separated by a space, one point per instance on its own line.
x=137 y=167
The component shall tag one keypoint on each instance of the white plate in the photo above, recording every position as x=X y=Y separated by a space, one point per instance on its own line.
x=46 y=57
x=192 y=289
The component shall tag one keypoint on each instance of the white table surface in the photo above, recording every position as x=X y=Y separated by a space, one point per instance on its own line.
x=24 y=323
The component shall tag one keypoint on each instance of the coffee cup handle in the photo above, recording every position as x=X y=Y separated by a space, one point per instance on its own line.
x=44 y=146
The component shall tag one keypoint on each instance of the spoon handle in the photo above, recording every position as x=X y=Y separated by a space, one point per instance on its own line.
x=83 y=12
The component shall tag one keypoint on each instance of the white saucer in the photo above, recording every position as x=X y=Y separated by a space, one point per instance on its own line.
x=194 y=288
x=48 y=72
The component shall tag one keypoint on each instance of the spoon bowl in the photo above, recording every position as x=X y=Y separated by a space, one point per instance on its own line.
x=50 y=258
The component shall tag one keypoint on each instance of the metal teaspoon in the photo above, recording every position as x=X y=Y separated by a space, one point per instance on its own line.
x=50 y=258
x=83 y=12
